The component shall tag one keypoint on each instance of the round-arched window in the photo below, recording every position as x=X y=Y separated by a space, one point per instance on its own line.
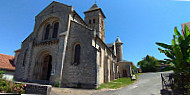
x=47 y=32
x=55 y=30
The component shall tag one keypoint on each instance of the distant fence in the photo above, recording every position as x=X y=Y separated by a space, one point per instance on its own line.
x=178 y=83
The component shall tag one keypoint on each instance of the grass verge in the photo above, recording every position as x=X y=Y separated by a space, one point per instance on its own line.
x=118 y=83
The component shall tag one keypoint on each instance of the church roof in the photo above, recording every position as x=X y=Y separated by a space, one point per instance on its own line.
x=95 y=8
x=109 y=44
x=18 y=50
x=53 y=3
x=6 y=62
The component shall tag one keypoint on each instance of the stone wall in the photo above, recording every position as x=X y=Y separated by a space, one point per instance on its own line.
x=32 y=88
x=83 y=74
x=124 y=66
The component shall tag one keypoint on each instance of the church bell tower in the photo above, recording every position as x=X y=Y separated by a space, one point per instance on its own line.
x=94 y=18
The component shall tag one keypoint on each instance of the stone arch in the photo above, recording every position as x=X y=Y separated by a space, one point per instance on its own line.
x=43 y=66
x=42 y=26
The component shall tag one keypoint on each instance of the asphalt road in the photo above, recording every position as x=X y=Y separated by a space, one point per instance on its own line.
x=147 y=84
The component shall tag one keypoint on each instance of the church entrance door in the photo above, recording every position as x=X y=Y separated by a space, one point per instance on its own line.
x=47 y=66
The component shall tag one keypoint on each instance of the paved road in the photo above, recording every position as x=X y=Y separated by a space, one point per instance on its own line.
x=147 y=84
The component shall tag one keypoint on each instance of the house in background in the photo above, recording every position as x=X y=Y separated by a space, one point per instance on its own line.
x=124 y=68
x=7 y=65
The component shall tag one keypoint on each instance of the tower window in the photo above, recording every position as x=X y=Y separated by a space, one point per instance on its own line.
x=94 y=21
x=89 y=21
x=47 y=32
x=55 y=30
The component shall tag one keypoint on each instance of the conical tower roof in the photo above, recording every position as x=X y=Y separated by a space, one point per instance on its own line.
x=118 y=40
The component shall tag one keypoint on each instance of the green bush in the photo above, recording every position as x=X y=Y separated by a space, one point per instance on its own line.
x=148 y=64
x=57 y=84
x=10 y=87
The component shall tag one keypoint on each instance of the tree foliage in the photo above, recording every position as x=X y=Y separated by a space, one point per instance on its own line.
x=148 y=64
x=179 y=51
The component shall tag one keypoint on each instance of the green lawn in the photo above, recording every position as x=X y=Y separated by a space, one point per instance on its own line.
x=118 y=83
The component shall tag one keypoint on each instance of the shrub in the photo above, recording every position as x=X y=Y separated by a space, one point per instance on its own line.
x=57 y=84
x=10 y=87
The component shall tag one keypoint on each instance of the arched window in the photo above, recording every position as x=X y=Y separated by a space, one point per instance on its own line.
x=55 y=30
x=47 y=32
x=77 y=55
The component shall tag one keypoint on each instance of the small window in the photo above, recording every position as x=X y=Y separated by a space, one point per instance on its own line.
x=47 y=32
x=77 y=55
x=89 y=21
x=55 y=30
x=94 y=21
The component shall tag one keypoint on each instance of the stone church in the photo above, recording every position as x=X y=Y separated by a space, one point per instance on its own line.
x=65 y=48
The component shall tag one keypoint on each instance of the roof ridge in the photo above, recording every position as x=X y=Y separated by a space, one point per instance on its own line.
x=6 y=55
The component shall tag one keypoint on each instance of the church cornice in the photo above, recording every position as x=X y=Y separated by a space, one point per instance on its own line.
x=45 y=43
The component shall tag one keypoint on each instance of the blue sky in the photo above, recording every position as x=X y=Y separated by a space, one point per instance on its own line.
x=138 y=23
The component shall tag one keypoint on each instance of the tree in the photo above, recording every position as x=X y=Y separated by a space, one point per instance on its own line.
x=179 y=51
x=148 y=64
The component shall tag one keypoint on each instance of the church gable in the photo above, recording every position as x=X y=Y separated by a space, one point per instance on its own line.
x=53 y=8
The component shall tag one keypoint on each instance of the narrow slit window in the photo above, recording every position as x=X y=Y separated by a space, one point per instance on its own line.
x=77 y=55
x=100 y=57
x=24 y=59
x=89 y=21
x=94 y=21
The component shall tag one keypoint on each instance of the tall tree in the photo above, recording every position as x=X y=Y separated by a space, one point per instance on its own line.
x=148 y=64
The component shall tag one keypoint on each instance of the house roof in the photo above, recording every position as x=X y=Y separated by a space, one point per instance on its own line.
x=125 y=61
x=6 y=62
x=18 y=50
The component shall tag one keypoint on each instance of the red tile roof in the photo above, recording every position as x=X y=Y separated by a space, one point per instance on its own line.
x=18 y=50
x=7 y=62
